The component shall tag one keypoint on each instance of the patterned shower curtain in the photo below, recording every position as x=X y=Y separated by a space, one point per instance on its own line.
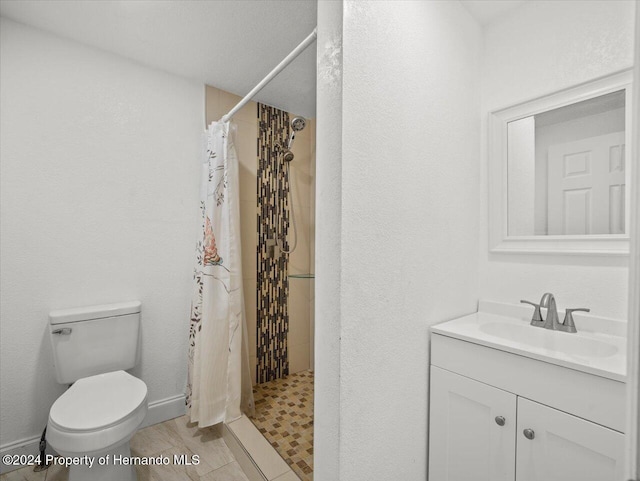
x=219 y=382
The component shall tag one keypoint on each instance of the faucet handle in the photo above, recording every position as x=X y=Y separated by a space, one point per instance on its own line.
x=568 y=325
x=536 y=319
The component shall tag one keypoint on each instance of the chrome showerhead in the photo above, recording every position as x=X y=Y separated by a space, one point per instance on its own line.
x=297 y=124
x=287 y=155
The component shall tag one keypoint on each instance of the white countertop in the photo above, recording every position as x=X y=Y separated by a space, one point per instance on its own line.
x=599 y=347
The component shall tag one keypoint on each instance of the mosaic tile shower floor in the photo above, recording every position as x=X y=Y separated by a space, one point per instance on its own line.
x=284 y=416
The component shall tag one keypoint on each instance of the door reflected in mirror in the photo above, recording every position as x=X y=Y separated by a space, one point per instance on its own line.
x=566 y=169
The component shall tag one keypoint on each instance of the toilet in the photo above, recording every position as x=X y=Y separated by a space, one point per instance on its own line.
x=100 y=412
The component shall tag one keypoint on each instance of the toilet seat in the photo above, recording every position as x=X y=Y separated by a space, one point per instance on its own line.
x=97 y=412
x=98 y=402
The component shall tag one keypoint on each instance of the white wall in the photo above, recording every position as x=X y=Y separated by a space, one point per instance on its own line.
x=328 y=258
x=100 y=165
x=536 y=49
x=406 y=219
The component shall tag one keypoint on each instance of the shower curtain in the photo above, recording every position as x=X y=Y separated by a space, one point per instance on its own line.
x=219 y=383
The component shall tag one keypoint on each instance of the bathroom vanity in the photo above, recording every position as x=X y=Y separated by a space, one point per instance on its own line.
x=509 y=401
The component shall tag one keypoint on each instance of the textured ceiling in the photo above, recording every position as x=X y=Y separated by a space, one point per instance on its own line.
x=231 y=45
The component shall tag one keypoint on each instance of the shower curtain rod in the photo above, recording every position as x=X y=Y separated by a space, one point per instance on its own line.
x=287 y=60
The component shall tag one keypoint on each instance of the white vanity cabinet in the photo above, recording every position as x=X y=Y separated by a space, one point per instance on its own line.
x=466 y=442
x=565 y=447
x=514 y=402
x=477 y=433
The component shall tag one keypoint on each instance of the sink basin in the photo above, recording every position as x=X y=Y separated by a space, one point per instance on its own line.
x=599 y=347
x=538 y=337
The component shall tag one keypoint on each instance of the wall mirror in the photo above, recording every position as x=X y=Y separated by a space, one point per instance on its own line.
x=558 y=173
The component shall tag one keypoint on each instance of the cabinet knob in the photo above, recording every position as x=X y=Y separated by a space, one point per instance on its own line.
x=529 y=433
x=500 y=420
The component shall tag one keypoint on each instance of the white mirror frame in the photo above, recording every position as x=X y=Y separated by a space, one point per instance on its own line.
x=499 y=240
x=632 y=464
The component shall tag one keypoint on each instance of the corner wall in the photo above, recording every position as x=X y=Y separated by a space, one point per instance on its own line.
x=404 y=241
x=99 y=204
x=539 y=48
x=328 y=238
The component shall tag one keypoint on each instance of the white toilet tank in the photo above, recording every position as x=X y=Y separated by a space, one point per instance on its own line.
x=94 y=340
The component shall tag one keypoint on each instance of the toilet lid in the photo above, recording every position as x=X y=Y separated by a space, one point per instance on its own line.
x=98 y=401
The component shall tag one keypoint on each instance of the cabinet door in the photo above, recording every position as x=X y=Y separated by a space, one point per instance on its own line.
x=465 y=441
x=565 y=447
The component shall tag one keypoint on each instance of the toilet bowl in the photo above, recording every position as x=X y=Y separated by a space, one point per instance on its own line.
x=93 y=423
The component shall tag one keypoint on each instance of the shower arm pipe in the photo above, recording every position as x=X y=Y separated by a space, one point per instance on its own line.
x=279 y=68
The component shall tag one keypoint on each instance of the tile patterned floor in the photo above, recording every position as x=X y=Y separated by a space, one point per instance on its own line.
x=284 y=415
x=176 y=436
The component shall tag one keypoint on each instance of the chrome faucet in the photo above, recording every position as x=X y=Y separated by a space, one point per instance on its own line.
x=548 y=302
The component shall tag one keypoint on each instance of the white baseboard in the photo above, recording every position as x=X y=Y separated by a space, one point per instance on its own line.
x=165 y=409
x=159 y=411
